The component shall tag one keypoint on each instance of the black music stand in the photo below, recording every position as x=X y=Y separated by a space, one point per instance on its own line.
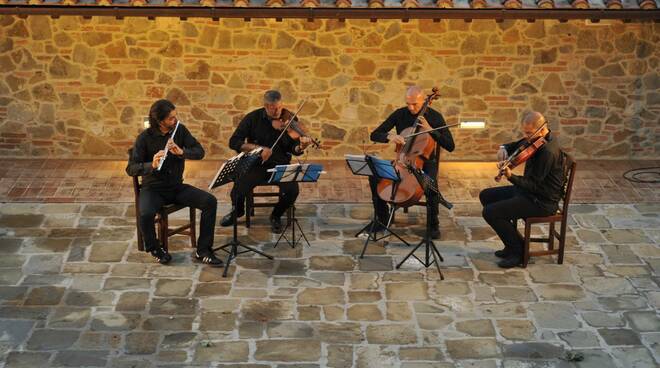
x=380 y=169
x=230 y=171
x=307 y=173
x=430 y=250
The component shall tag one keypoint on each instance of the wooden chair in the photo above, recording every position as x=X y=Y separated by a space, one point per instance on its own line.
x=250 y=204
x=560 y=216
x=163 y=231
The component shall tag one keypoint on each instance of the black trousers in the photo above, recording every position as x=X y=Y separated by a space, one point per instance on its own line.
x=503 y=206
x=380 y=206
x=258 y=175
x=151 y=200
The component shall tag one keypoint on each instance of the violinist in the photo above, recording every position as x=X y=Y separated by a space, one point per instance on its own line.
x=536 y=193
x=399 y=120
x=261 y=128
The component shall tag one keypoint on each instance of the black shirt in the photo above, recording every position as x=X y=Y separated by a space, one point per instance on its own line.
x=403 y=118
x=543 y=178
x=257 y=128
x=152 y=140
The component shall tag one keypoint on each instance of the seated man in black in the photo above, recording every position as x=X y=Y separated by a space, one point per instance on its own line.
x=160 y=187
x=261 y=128
x=536 y=193
x=401 y=119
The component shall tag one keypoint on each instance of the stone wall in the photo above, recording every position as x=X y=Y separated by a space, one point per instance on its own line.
x=74 y=87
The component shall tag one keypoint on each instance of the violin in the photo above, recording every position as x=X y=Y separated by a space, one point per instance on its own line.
x=527 y=148
x=287 y=120
x=419 y=147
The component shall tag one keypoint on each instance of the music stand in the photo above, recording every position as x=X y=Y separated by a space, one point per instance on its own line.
x=232 y=170
x=380 y=169
x=307 y=173
x=430 y=186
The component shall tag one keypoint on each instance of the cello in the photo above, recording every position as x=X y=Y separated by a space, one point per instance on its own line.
x=419 y=147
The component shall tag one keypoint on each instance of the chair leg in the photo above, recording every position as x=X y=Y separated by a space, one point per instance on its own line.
x=528 y=230
x=551 y=236
x=249 y=209
x=193 y=224
x=562 y=242
x=140 y=242
x=164 y=228
x=137 y=228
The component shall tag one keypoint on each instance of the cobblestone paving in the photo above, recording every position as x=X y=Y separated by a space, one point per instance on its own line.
x=74 y=291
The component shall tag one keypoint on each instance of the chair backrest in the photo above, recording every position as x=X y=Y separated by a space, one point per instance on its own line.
x=136 y=180
x=568 y=165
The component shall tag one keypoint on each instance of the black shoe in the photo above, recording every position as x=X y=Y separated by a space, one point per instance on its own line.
x=435 y=233
x=275 y=224
x=503 y=253
x=227 y=219
x=510 y=262
x=209 y=259
x=161 y=255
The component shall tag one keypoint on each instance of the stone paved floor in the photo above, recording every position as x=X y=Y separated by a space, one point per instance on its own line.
x=74 y=291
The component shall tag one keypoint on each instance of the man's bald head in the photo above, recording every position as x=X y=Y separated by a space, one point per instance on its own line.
x=414 y=99
x=414 y=91
x=531 y=122
x=533 y=118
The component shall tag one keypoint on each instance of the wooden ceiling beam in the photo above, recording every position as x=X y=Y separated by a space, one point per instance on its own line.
x=326 y=13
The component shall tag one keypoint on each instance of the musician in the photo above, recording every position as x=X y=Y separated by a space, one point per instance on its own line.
x=164 y=186
x=261 y=128
x=536 y=193
x=399 y=120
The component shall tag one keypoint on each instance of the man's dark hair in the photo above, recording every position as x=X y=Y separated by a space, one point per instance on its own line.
x=159 y=111
x=272 y=96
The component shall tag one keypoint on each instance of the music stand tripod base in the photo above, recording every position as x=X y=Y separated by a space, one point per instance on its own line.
x=430 y=251
x=297 y=173
x=231 y=171
x=371 y=235
x=292 y=224
x=234 y=244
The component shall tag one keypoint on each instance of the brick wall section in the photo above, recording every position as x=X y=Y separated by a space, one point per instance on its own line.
x=74 y=87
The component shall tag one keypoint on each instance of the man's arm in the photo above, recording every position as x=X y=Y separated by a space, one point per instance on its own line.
x=443 y=136
x=138 y=162
x=237 y=142
x=192 y=149
x=381 y=133
x=532 y=180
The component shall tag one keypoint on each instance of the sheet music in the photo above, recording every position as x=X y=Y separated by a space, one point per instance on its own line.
x=358 y=165
x=313 y=172
x=384 y=168
x=236 y=167
x=295 y=172
x=226 y=166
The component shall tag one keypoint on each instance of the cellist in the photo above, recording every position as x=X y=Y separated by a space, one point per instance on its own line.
x=399 y=120
x=536 y=193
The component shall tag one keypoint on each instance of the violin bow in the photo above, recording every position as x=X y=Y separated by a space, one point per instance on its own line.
x=430 y=130
x=288 y=124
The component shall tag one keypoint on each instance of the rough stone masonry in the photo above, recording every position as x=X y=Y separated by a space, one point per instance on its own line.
x=74 y=87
